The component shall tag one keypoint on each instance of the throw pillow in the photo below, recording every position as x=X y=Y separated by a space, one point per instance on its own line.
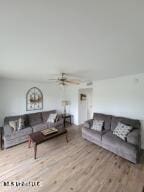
x=20 y=123
x=13 y=125
x=97 y=125
x=122 y=130
x=52 y=117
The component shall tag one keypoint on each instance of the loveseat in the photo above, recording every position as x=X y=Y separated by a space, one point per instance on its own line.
x=129 y=149
x=32 y=123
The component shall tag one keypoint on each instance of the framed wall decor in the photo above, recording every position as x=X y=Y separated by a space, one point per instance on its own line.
x=34 y=99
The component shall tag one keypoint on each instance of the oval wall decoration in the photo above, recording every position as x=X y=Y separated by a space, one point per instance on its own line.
x=34 y=99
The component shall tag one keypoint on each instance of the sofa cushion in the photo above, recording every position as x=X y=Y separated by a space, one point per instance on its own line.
x=16 y=134
x=45 y=114
x=39 y=127
x=105 y=118
x=130 y=122
x=35 y=118
x=91 y=135
x=117 y=145
x=88 y=123
x=15 y=141
x=122 y=130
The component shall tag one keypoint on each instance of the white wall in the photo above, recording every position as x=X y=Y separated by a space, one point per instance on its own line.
x=121 y=96
x=72 y=96
x=13 y=96
x=1 y=102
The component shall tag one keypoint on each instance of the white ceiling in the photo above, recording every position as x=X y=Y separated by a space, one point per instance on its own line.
x=95 y=39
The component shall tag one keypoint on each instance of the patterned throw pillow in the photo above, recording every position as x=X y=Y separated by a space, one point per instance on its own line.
x=13 y=125
x=122 y=130
x=20 y=124
x=52 y=117
x=97 y=125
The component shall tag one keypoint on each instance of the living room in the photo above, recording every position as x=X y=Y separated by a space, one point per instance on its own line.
x=83 y=62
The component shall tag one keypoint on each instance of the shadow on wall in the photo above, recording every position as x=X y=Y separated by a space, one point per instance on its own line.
x=1 y=119
x=142 y=134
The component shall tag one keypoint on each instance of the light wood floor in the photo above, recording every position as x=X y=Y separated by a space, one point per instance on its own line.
x=78 y=166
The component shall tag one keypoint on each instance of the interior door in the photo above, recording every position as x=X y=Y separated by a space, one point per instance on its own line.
x=85 y=105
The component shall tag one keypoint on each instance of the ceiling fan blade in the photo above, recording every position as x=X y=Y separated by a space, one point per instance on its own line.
x=52 y=82
x=52 y=79
x=76 y=82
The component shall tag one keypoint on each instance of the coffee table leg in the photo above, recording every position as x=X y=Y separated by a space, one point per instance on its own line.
x=66 y=138
x=64 y=122
x=35 y=150
x=29 y=142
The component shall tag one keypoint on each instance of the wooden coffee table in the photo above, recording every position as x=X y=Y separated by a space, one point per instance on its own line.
x=38 y=138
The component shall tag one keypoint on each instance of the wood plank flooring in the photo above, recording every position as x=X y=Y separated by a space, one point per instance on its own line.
x=77 y=166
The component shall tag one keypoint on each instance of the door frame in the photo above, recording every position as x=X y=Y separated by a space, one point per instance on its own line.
x=85 y=91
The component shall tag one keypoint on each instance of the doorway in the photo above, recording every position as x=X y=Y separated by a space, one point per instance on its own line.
x=85 y=104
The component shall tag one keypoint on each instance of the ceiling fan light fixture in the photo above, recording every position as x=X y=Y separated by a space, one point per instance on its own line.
x=62 y=84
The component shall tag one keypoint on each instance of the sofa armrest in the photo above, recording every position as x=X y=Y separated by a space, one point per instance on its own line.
x=88 y=123
x=134 y=137
x=59 y=117
x=7 y=130
x=103 y=132
x=59 y=123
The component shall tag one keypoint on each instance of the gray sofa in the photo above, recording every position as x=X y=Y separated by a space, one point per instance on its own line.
x=129 y=149
x=33 y=122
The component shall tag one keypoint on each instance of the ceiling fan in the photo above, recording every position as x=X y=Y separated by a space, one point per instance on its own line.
x=64 y=80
